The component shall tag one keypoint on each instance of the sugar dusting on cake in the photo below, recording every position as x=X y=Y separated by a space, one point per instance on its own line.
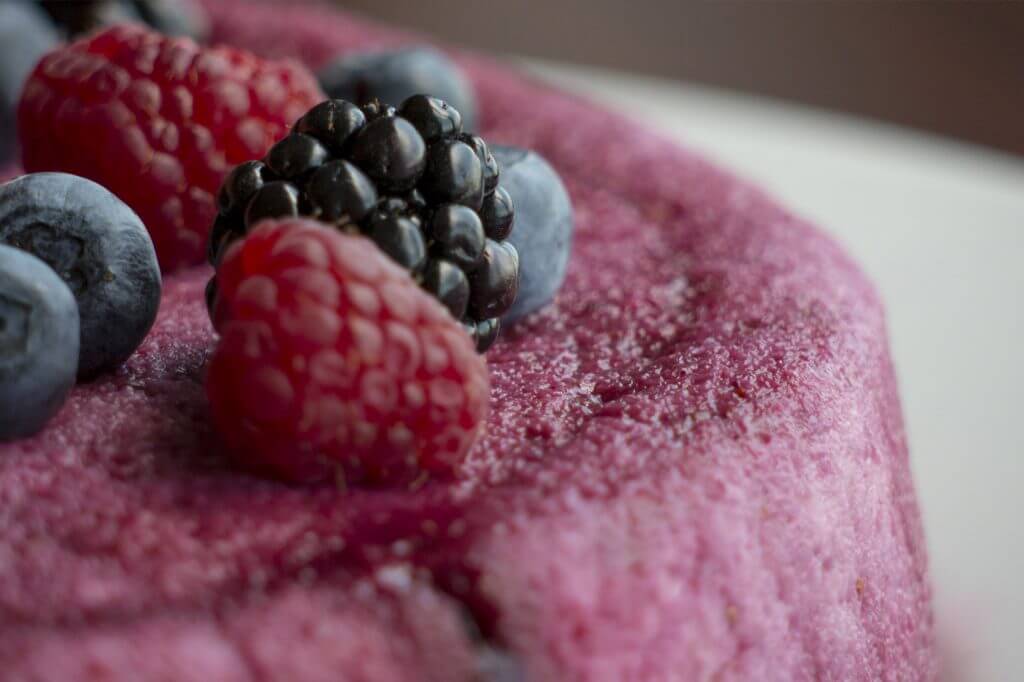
x=695 y=466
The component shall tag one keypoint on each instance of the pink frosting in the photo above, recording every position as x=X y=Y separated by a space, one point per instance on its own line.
x=695 y=467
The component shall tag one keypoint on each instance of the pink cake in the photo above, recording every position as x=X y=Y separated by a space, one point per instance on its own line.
x=695 y=467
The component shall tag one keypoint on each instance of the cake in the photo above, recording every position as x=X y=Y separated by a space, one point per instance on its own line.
x=695 y=465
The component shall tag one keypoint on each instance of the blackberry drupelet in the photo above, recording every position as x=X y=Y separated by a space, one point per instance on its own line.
x=410 y=180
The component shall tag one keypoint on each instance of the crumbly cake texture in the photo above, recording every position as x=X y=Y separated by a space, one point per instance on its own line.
x=695 y=467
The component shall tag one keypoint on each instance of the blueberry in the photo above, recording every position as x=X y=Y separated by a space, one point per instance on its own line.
x=392 y=152
x=39 y=337
x=433 y=117
x=494 y=281
x=448 y=284
x=454 y=175
x=458 y=235
x=394 y=75
x=25 y=36
x=101 y=250
x=543 y=226
x=340 y=193
x=295 y=155
x=277 y=199
x=400 y=238
x=333 y=122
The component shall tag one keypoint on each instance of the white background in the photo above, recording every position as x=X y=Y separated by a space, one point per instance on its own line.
x=939 y=226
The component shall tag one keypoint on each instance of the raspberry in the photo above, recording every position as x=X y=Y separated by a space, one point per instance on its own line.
x=158 y=121
x=333 y=362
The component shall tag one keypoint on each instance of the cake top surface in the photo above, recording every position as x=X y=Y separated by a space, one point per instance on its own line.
x=695 y=462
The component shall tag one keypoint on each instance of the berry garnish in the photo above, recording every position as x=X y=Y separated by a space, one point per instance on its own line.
x=454 y=175
x=334 y=122
x=339 y=193
x=332 y=362
x=394 y=76
x=276 y=199
x=101 y=250
x=494 y=281
x=483 y=333
x=38 y=343
x=399 y=237
x=458 y=235
x=159 y=122
x=487 y=160
x=391 y=152
x=497 y=213
x=432 y=117
x=427 y=194
x=25 y=36
x=449 y=285
x=544 y=225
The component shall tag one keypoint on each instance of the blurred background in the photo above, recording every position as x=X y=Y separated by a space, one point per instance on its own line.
x=954 y=68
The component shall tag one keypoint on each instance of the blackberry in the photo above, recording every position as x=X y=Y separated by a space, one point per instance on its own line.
x=408 y=179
